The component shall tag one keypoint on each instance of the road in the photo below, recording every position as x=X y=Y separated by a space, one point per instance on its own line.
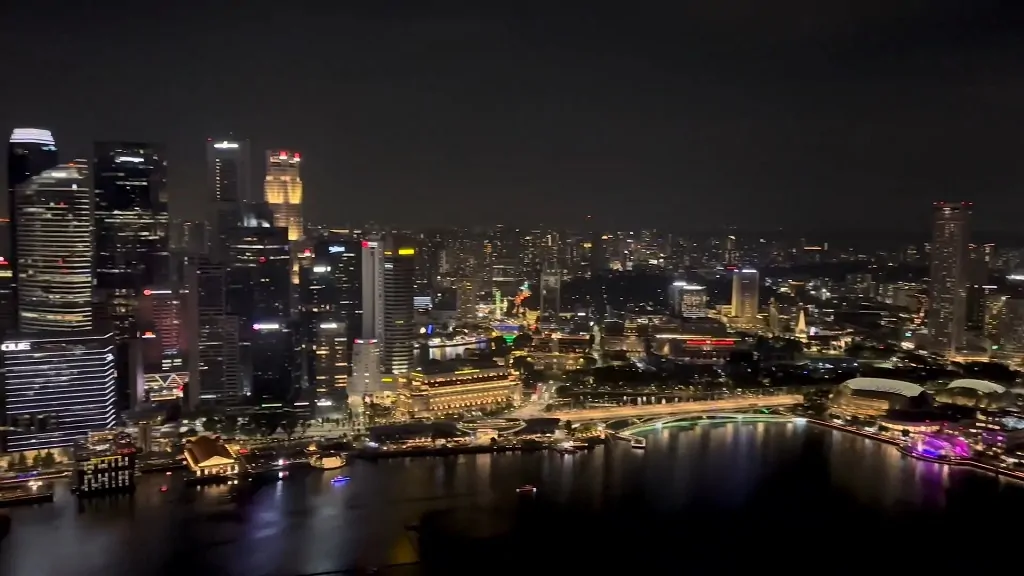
x=669 y=409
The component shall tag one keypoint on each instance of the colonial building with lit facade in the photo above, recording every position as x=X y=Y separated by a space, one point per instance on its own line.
x=456 y=387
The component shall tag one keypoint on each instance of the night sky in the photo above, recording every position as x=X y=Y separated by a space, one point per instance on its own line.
x=684 y=115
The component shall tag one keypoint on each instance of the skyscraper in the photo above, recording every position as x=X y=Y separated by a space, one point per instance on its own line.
x=227 y=181
x=399 y=322
x=366 y=346
x=947 y=310
x=259 y=275
x=29 y=153
x=282 y=189
x=227 y=170
x=218 y=378
x=164 y=356
x=55 y=250
x=746 y=287
x=56 y=389
x=132 y=236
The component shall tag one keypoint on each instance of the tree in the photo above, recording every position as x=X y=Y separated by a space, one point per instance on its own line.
x=499 y=346
x=22 y=460
x=229 y=427
x=522 y=342
x=289 y=425
x=48 y=460
x=37 y=460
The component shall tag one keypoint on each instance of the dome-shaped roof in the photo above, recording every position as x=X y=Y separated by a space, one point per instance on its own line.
x=885 y=385
x=983 y=386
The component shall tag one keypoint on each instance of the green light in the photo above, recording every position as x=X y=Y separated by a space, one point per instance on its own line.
x=509 y=337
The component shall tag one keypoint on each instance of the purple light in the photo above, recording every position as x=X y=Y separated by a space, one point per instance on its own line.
x=940 y=446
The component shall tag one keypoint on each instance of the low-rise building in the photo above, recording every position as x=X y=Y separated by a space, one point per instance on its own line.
x=208 y=457
x=456 y=387
x=105 y=468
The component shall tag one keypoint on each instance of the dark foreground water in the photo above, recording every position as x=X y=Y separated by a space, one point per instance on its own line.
x=714 y=490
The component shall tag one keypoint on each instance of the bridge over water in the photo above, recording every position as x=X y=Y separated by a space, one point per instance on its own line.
x=729 y=405
x=629 y=433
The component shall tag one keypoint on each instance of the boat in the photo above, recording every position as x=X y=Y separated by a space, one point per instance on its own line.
x=638 y=443
x=327 y=461
x=340 y=479
x=527 y=489
x=20 y=497
x=566 y=449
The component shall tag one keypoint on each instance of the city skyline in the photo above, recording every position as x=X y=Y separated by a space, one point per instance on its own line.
x=544 y=117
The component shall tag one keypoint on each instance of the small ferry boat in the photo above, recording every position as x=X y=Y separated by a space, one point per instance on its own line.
x=327 y=461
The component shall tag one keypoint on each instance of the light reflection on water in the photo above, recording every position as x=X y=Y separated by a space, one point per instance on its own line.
x=306 y=524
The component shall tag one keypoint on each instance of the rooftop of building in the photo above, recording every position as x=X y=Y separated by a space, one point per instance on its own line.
x=983 y=386
x=450 y=366
x=202 y=449
x=885 y=385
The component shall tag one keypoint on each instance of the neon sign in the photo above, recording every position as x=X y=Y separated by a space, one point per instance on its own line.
x=335 y=249
x=15 y=346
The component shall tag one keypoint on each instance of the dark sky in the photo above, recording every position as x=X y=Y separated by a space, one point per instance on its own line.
x=809 y=114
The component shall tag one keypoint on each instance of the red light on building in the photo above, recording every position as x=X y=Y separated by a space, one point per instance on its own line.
x=297 y=156
x=366 y=244
x=307 y=252
x=263 y=258
x=147 y=292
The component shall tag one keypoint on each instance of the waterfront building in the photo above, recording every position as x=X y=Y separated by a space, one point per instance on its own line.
x=871 y=398
x=208 y=457
x=105 y=469
x=457 y=386
x=56 y=388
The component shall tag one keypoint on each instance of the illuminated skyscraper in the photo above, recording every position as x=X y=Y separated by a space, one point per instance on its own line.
x=947 y=310
x=165 y=355
x=227 y=170
x=29 y=153
x=399 y=322
x=746 y=285
x=227 y=181
x=282 y=189
x=55 y=250
x=132 y=247
x=132 y=227
x=56 y=389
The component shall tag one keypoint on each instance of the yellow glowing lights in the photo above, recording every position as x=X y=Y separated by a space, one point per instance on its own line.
x=406 y=251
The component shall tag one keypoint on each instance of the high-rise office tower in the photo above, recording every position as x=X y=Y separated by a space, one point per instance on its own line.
x=56 y=388
x=54 y=236
x=746 y=287
x=329 y=366
x=227 y=181
x=466 y=290
x=132 y=226
x=227 y=170
x=282 y=190
x=947 y=310
x=549 y=302
x=219 y=375
x=688 y=300
x=132 y=248
x=276 y=362
x=398 y=351
x=162 y=357
x=29 y=152
x=259 y=275
x=372 y=279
